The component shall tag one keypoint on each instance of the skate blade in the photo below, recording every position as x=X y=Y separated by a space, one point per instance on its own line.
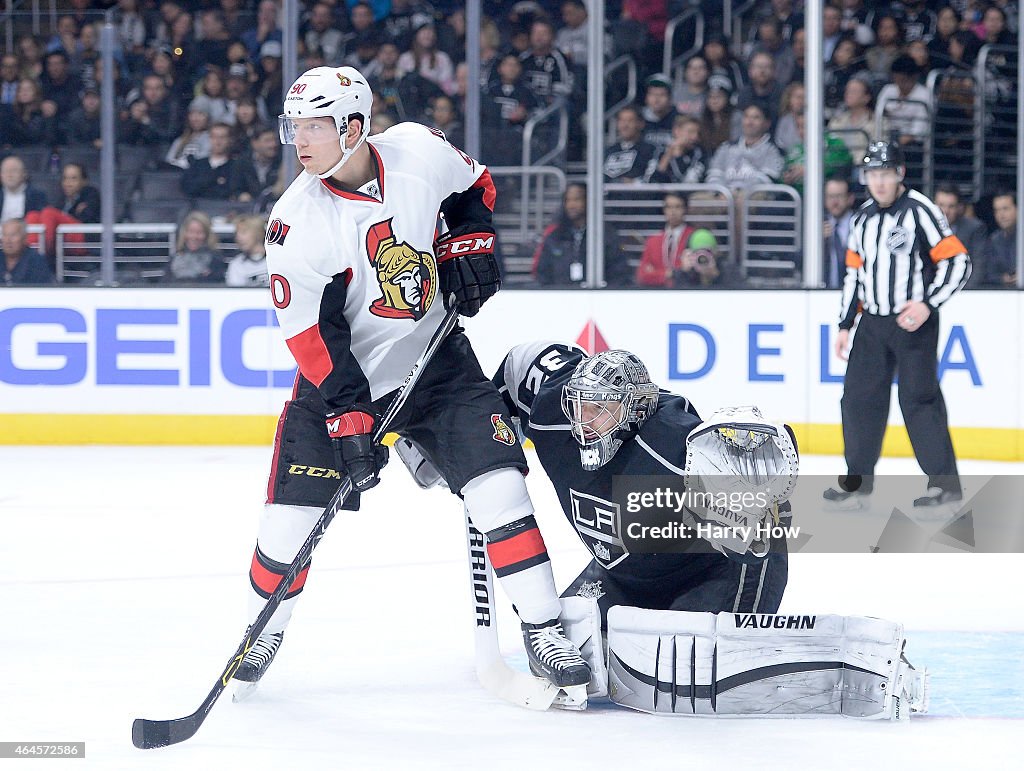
x=573 y=698
x=243 y=691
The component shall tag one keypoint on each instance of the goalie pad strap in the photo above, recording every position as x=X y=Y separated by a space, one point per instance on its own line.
x=685 y=663
x=581 y=622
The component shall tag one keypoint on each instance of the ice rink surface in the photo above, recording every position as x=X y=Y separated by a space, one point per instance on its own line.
x=123 y=579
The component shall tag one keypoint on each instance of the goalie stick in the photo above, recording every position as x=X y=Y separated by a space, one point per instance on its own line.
x=147 y=734
x=492 y=671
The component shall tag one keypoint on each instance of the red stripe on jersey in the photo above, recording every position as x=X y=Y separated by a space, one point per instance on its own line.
x=484 y=181
x=527 y=544
x=271 y=483
x=268 y=581
x=310 y=352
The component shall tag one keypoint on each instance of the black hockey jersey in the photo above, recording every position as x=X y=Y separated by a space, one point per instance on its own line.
x=547 y=75
x=531 y=380
x=630 y=161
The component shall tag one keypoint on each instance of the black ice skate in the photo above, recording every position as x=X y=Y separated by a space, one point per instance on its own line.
x=938 y=497
x=553 y=657
x=256 y=662
x=846 y=499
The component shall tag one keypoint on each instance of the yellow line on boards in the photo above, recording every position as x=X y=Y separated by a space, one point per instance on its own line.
x=814 y=438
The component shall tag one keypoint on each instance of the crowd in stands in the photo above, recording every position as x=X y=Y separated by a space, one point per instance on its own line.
x=198 y=86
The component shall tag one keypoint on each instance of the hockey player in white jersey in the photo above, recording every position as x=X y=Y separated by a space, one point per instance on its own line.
x=358 y=279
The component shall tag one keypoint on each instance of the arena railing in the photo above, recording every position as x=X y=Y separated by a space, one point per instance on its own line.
x=996 y=104
x=31 y=19
x=736 y=21
x=920 y=171
x=142 y=251
x=856 y=148
x=669 y=59
x=519 y=226
x=771 y=234
x=634 y=212
x=957 y=130
x=629 y=97
x=39 y=242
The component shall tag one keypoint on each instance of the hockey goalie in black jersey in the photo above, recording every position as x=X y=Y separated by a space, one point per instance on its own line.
x=593 y=419
x=695 y=632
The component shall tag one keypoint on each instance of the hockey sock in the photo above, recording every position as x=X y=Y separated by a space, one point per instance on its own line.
x=500 y=507
x=283 y=529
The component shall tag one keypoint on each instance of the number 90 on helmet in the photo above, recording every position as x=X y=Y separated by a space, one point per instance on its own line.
x=607 y=399
x=338 y=93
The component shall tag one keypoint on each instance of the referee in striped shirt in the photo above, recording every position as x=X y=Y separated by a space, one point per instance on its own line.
x=902 y=263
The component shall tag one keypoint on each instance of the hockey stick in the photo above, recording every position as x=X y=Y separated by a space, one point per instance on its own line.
x=491 y=670
x=147 y=734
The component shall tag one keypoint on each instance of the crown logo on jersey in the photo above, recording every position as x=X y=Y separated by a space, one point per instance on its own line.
x=502 y=433
x=601 y=551
x=591 y=589
x=407 y=278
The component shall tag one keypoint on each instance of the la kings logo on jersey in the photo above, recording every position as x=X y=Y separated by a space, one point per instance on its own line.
x=617 y=164
x=599 y=524
x=407 y=278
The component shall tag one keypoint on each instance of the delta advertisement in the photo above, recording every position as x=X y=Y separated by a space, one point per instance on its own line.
x=209 y=366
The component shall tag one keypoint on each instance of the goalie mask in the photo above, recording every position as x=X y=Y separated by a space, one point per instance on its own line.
x=607 y=400
x=337 y=93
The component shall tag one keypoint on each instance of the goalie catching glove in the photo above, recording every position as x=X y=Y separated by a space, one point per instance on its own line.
x=355 y=452
x=743 y=467
x=468 y=267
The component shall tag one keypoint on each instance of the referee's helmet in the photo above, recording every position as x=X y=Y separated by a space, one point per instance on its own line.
x=883 y=155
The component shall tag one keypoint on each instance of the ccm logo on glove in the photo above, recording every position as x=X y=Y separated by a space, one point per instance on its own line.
x=470 y=243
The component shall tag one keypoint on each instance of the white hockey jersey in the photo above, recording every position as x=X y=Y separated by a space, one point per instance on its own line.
x=243 y=270
x=353 y=274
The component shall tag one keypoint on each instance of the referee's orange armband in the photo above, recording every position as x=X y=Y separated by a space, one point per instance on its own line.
x=950 y=246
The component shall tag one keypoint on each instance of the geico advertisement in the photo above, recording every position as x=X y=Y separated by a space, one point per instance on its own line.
x=209 y=351
x=152 y=352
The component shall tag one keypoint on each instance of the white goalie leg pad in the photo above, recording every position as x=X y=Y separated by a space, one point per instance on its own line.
x=736 y=664
x=581 y=621
x=424 y=472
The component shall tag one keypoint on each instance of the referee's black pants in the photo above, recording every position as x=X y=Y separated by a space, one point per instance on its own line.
x=880 y=349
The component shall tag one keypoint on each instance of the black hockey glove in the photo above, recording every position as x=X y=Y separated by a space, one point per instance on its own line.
x=468 y=267
x=355 y=453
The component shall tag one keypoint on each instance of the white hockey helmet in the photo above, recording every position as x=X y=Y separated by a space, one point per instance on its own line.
x=328 y=92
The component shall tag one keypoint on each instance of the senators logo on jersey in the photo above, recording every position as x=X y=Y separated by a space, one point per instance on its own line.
x=407 y=278
x=277 y=231
x=502 y=433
